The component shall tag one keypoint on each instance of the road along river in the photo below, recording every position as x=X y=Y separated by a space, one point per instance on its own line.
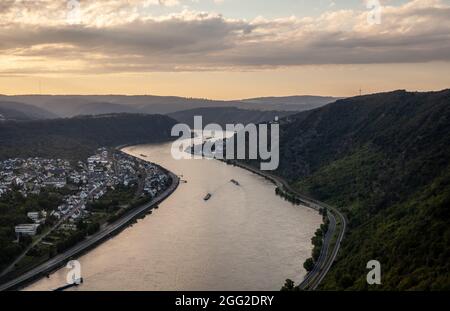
x=243 y=238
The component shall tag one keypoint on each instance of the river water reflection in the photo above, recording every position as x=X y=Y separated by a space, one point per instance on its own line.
x=243 y=238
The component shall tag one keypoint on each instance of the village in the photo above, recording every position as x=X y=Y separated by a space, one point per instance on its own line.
x=85 y=183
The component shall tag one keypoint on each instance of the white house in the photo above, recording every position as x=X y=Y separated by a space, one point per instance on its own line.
x=26 y=229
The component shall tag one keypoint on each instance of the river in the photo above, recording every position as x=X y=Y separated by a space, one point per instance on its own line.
x=243 y=238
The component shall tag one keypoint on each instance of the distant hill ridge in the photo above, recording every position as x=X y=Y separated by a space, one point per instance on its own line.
x=227 y=115
x=72 y=105
x=19 y=111
x=76 y=138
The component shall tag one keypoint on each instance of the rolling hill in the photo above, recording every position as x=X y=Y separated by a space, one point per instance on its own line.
x=99 y=108
x=72 y=105
x=291 y=103
x=19 y=111
x=76 y=138
x=227 y=115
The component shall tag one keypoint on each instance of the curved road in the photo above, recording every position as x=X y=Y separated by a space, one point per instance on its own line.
x=90 y=242
x=326 y=259
x=323 y=254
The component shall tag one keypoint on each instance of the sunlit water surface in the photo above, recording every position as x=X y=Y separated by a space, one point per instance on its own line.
x=243 y=238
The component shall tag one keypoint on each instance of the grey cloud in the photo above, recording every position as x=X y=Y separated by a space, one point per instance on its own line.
x=209 y=43
x=6 y=5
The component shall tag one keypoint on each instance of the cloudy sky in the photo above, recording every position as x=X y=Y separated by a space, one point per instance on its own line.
x=223 y=48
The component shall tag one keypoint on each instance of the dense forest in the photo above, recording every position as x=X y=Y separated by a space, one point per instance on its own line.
x=76 y=138
x=384 y=160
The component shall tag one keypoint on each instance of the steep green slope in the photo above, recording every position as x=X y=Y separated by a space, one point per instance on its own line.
x=384 y=160
x=408 y=234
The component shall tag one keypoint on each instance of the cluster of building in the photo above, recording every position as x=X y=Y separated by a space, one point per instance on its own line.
x=89 y=181
x=30 y=175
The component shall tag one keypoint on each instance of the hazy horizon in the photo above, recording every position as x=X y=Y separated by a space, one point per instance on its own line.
x=220 y=99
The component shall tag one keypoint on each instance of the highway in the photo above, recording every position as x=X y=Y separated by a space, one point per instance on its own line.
x=322 y=256
x=326 y=259
x=106 y=232
x=323 y=265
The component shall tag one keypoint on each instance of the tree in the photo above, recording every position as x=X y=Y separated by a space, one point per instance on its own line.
x=288 y=286
x=309 y=264
x=346 y=281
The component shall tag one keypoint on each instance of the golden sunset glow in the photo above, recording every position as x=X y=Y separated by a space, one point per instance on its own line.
x=185 y=49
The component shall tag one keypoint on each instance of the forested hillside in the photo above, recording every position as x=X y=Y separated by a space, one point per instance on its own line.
x=19 y=111
x=227 y=115
x=384 y=160
x=76 y=138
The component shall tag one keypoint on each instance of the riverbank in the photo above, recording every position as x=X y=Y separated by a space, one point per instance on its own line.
x=92 y=241
x=243 y=238
x=334 y=235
